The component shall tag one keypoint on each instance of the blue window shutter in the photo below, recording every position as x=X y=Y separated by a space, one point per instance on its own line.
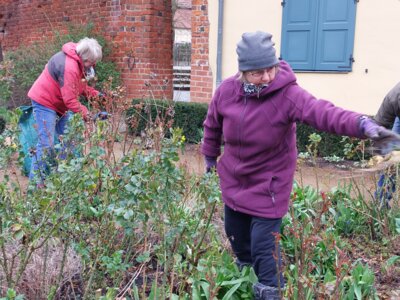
x=299 y=33
x=335 y=35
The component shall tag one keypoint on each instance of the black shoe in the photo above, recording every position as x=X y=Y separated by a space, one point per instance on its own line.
x=263 y=292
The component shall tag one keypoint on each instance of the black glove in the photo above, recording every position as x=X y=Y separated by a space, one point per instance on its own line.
x=384 y=141
x=211 y=163
x=103 y=115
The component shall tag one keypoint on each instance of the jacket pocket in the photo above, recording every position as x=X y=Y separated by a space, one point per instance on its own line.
x=272 y=188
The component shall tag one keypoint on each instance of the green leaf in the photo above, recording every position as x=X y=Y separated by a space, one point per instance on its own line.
x=236 y=281
x=391 y=261
x=11 y=293
x=231 y=291
x=135 y=292
x=144 y=257
x=397 y=220
x=18 y=235
x=93 y=210
x=128 y=214
x=357 y=291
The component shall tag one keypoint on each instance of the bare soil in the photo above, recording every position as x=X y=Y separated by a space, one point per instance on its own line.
x=324 y=175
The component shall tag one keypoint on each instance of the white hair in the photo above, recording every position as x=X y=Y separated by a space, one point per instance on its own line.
x=89 y=49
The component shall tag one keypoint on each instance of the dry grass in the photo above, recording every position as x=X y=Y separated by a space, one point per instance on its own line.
x=43 y=270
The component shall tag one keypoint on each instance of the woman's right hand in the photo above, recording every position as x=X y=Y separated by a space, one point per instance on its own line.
x=384 y=140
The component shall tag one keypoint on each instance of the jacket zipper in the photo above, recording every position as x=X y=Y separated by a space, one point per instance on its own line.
x=240 y=136
x=241 y=127
x=273 y=197
x=271 y=190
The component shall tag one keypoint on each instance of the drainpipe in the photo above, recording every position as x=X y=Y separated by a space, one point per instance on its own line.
x=219 y=40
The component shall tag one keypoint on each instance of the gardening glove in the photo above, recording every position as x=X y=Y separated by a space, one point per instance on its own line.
x=211 y=163
x=103 y=115
x=384 y=140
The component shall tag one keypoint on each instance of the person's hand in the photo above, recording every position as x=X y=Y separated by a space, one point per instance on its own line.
x=370 y=129
x=211 y=163
x=387 y=142
x=384 y=140
x=85 y=113
x=103 y=115
x=87 y=117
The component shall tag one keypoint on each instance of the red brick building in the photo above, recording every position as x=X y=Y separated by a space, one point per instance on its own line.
x=140 y=32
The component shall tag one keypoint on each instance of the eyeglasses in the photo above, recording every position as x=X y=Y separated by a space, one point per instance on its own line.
x=89 y=62
x=260 y=73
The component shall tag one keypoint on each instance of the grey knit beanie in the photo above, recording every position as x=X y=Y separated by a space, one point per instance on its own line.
x=256 y=51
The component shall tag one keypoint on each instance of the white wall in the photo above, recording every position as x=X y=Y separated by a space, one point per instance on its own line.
x=376 y=49
x=183 y=35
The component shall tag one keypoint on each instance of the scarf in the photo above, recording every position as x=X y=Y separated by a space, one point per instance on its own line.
x=250 y=88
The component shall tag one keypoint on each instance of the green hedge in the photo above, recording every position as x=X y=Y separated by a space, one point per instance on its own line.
x=190 y=116
x=187 y=115
x=330 y=143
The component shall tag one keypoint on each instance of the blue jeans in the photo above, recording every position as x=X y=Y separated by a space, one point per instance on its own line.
x=253 y=242
x=396 y=125
x=49 y=126
x=387 y=186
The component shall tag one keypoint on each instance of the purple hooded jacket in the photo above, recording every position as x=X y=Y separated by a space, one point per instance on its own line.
x=257 y=167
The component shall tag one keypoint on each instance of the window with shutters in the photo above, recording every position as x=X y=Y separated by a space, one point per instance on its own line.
x=318 y=35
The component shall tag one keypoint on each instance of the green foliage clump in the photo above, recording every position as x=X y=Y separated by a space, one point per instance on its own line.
x=136 y=212
x=6 y=80
x=313 y=240
x=331 y=144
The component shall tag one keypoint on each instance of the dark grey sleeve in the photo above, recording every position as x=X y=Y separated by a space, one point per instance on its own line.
x=56 y=67
x=390 y=108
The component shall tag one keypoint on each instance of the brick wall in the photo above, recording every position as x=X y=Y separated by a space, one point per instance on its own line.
x=140 y=32
x=201 y=76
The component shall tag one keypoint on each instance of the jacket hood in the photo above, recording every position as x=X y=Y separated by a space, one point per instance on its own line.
x=70 y=50
x=284 y=77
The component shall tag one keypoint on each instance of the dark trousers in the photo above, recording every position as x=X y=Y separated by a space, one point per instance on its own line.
x=253 y=243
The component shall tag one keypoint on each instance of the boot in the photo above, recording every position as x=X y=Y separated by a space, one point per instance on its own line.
x=263 y=292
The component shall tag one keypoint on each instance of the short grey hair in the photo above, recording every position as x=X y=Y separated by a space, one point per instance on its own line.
x=89 y=50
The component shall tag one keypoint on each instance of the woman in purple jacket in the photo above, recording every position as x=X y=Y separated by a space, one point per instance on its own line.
x=255 y=111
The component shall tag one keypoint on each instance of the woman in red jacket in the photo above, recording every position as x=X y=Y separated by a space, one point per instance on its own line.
x=56 y=92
